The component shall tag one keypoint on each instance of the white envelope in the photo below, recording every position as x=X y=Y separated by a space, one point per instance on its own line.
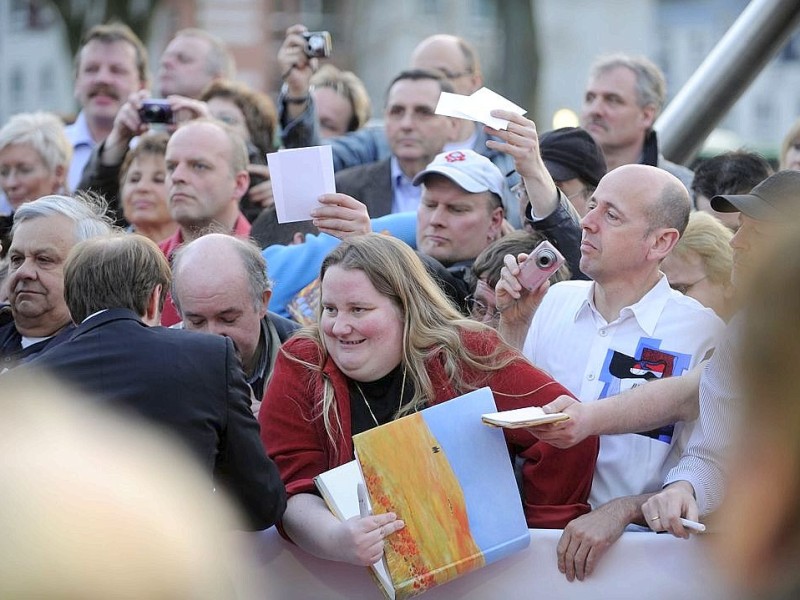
x=299 y=177
x=477 y=107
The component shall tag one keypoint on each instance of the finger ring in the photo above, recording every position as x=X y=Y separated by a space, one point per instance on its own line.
x=656 y=518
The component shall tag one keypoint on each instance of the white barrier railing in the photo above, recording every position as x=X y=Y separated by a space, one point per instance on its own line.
x=639 y=565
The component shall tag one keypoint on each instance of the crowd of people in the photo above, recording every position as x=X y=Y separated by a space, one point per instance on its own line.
x=143 y=262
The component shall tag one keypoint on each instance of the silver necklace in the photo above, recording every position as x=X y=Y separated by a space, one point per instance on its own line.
x=369 y=408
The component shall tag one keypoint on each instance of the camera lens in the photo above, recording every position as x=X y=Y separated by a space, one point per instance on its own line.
x=156 y=112
x=153 y=113
x=545 y=258
x=316 y=43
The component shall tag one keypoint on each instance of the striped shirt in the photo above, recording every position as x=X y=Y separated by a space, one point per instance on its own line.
x=704 y=462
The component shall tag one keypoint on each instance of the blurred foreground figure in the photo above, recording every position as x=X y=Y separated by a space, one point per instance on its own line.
x=761 y=543
x=189 y=383
x=79 y=521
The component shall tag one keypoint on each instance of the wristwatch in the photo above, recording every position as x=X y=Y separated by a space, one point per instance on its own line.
x=292 y=100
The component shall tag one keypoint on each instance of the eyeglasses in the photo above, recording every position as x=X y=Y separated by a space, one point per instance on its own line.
x=480 y=311
x=451 y=75
x=519 y=191
x=419 y=113
x=684 y=288
x=576 y=194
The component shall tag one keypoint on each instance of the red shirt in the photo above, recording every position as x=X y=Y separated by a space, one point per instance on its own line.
x=170 y=316
x=556 y=483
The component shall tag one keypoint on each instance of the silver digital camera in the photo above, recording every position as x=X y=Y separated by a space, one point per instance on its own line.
x=318 y=44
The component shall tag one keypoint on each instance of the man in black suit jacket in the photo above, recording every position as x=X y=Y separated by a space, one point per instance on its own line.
x=416 y=134
x=190 y=383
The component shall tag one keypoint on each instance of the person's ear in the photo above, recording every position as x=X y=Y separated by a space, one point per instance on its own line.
x=152 y=313
x=453 y=129
x=476 y=81
x=664 y=241
x=496 y=224
x=60 y=174
x=242 y=179
x=648 y=116
x=265 y=298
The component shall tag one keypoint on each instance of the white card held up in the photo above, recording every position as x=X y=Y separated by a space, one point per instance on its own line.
x=299 y=177
x=530 y=416
x=477 y=107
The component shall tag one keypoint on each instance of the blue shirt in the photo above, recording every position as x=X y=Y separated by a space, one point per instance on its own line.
x=405 y=195
x=82 y=145
x=291 y=268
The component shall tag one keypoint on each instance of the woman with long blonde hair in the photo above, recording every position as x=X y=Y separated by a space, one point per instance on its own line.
x=388 y=343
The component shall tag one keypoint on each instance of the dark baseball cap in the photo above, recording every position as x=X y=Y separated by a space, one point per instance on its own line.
x=777 y=198
x=571 y=153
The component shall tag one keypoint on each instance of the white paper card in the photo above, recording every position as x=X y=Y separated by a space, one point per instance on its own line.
x=477 y=107
x=299 y=177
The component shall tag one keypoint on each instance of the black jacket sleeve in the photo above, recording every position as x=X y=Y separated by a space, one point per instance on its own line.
x=562 y=227
x=242 y=468
x=104 y=180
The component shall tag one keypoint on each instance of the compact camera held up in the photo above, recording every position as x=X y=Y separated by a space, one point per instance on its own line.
x=318 y=44
x=540 y=264
x=156 y=111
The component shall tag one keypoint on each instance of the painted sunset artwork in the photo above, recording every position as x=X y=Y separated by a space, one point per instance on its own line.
x=449 y=477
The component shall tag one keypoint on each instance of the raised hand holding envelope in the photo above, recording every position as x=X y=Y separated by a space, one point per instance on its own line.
x=477 y=107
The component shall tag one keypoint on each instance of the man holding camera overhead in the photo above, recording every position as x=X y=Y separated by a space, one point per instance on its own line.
x=192 y=60
x=622 y=329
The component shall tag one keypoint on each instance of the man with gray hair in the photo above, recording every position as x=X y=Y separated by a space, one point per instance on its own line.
x=623 y=98
x=220 y=286
x=43 y=233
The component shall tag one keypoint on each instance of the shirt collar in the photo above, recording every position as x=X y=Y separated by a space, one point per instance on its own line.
x=78 y=133
x=398 y=177
x=646 y=311
x=241 y=229
x=264 y=351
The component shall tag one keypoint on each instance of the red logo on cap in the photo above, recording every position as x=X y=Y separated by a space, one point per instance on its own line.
x=455 y=157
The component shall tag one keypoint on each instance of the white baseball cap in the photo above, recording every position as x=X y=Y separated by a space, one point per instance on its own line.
x=468 y=170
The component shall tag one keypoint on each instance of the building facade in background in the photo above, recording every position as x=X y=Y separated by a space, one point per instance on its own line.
x=375 y=38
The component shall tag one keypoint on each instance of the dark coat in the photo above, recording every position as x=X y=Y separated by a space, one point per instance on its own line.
x=190 y=383
x=370 y=184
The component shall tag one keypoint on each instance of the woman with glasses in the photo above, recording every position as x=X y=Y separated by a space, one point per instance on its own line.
x=486 y=273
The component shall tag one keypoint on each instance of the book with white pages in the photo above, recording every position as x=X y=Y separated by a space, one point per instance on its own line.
x=339 y=489
x=529 y=416
x=434 y=469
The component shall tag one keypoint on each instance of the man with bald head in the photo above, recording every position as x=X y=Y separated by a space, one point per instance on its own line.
x=220 y=286
x=456 y=60
x=620 y=330
x=206 y=177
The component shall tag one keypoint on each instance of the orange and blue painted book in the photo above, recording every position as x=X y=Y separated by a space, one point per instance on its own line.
x=450 y=479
